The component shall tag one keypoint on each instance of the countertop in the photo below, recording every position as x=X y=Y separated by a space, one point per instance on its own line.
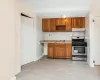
x=56 y=41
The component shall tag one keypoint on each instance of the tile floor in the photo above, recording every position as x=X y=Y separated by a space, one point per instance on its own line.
x=58 y=69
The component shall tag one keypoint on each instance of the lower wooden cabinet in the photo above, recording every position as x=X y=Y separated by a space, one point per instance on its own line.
x=50 y=50
x=59 y=50
x=68 y=50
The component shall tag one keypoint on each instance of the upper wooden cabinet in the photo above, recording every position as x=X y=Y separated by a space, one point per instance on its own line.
x=45 y=25
x=62 y=24
x=52 y=25
x=68 y=22
x=60 y=21
x=78 y=22
x=48 y=25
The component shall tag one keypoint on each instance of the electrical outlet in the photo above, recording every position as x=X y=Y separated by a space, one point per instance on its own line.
x=49 y=34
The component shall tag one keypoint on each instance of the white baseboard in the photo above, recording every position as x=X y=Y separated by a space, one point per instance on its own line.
x=91 y=65
x=38 y=58
x=14 y=78
x=46 y=54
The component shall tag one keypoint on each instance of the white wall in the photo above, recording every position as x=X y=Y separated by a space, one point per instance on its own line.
x=27 y=40
x=7 y=39
x=39 y=35
x=94 y=32
x=94 y=40
x=95 y=8
x=94 y=37
x=61 y=35
x=87 y=38
x=21 y=7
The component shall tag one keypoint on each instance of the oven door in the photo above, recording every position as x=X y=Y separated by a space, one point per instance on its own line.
x=78 y=50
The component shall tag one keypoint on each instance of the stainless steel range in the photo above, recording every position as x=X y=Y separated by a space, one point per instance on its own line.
x=79 y=48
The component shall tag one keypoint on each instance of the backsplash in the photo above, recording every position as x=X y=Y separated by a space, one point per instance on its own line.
x=61 y=35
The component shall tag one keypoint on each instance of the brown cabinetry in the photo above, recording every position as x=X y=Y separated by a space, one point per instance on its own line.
x=68 y=50
x=48 y=25
x=45 y=25
x=56 y=25
x=60 y=50
x=60 y=21
x=50 y=50
x=68 y=24
x=62 y=24
x=52 y=25
x=78 y=22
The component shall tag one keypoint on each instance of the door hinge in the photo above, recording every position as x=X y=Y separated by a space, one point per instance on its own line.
x=93 y=20
x=94 y=61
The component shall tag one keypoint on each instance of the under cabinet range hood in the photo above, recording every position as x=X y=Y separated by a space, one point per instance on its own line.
x=78 y=29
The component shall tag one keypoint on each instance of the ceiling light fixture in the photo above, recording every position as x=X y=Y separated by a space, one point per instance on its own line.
x=64 y=16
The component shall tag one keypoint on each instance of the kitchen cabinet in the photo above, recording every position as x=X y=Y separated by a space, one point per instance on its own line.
x=45 y=25
x=48 y=25
x=60 y=21
x=78 y=22
x=52 y=25
x=50 y=50
x=68 y=24
x=63 y=25
x=68 y=50
x=60 y=50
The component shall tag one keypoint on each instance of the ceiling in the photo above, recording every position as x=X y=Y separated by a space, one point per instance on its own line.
x=57 y=8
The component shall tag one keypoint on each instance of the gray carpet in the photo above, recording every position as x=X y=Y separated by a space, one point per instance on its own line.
x=58 y=69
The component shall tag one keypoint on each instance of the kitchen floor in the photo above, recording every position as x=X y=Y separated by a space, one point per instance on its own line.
x=58 y=69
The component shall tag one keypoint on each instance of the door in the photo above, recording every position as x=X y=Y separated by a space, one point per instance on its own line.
x=50 y=50
x=27 y=40
x=59 y=50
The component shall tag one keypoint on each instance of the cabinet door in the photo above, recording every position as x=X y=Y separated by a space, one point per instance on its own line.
x=60 y=21
x=45 y=25
x=68 y=50
x=68 y=24
x=59 y=50
x=52 y=25
x=82 y=22
x=74 y=22
x=78 y=22
x=50 y=50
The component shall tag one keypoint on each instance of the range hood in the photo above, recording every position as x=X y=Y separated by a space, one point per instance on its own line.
x=78 y=29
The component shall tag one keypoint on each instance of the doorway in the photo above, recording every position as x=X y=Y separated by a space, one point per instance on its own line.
x=27 y=40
